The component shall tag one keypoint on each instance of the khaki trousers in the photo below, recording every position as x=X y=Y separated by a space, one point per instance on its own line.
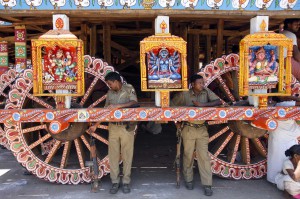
x=120 y=142
x=196 y=138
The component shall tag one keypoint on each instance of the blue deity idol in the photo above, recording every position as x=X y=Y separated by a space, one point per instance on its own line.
x=164 y=65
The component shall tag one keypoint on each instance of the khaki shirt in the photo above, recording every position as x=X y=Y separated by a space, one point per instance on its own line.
x=186 y=99
x=124 y=95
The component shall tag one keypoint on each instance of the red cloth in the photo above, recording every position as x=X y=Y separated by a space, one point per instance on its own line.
x=297 y=196
x=296 y=69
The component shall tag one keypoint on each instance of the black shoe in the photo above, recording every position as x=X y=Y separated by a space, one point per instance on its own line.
x=208 y=191
x=126 y=188
x=189 y=185
x=114 y=188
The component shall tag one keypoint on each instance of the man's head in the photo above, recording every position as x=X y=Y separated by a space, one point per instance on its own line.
x=292 y=25
x=113 y=80
x=197 y=82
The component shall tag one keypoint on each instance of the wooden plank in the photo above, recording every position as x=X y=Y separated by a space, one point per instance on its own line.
x=220 y=29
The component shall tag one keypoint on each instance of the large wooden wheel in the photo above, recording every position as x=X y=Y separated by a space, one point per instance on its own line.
x=237 y=149
x=59 y=157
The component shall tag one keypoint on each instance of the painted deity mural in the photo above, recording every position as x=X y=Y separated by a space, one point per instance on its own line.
x=164 y=68
x=263 y=65
x=152 y=4
x=59 y=65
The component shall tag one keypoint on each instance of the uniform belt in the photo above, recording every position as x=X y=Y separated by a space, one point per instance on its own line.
x=194 y=125
x=119 y=123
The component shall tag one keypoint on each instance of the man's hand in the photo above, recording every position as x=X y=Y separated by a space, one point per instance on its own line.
x=114 y=106
x=198 y=104
x=178 y=125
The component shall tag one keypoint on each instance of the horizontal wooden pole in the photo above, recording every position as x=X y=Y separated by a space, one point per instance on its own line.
x=150 y=114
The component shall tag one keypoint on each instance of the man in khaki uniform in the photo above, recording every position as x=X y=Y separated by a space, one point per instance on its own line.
x=121 y=134
x=195 y=135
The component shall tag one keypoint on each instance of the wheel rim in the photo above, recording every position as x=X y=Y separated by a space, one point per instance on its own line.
x=6 y=81
x=59 y=159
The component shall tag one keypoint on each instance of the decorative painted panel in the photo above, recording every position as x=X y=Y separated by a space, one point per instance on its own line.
x=58 y=65
x=259 y=69
x=163 y=63
x=152 y=4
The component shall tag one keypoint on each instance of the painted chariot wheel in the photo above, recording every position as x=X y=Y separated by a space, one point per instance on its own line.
x=237 y=149
x=7 y=79
x=59 y=157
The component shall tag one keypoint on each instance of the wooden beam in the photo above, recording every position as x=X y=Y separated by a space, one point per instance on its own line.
x=107 y=42
x=226 y=46
x=190 y=51
x=125 y=31
x=112 y=15
x=34 y=27
x=208 y=49
x=93 y=40
x=183 y=31
x=130 y=62
x=220 y=37
x=233 y=33
x=196 y=53
x=83 y=36
x=9 y=19
x=122 y=48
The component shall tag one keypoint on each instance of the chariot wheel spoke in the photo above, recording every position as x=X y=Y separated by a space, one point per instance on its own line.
x=221 y=132
x=35 y=128
x=226 y=89
x=235 y=146
x=89 y=91
x=53 y=151
x=97 y=102
x=38 y=142
x=245 y=150
x=39 y=101
x=100 y=138
x=65 y=155
x=215 y=122
x=79 y=153
x=223 y=145
x=260 y=147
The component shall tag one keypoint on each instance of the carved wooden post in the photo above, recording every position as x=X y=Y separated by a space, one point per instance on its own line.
x=3 y=57
x=20 y=47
